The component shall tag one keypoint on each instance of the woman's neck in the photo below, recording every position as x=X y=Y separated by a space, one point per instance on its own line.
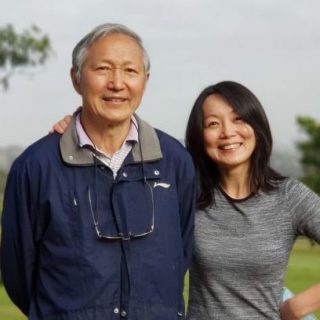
x=235 y=182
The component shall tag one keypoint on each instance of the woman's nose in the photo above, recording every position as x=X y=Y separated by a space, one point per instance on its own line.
x=227 y=130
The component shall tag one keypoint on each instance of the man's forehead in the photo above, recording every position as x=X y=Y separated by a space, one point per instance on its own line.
x=121 y=38
x=116 y=46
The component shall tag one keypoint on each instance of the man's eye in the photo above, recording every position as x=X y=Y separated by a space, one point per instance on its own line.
x=131 y=70
x=103 y=68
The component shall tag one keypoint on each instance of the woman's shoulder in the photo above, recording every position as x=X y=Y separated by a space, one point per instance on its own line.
x=292 y=186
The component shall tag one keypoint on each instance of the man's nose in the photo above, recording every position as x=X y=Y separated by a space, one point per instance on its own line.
x=116 y=79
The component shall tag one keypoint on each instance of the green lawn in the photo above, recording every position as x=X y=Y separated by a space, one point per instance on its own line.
x=304 y=267
x=303 y=271
x=7 y=310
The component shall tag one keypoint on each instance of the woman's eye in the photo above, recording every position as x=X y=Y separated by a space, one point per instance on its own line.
x=212 y=124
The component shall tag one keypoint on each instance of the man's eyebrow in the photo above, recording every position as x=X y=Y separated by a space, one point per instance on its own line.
x=124 y=62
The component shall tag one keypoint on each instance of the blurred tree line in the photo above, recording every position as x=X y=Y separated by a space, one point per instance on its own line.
x=3 y=177
x=310 y=152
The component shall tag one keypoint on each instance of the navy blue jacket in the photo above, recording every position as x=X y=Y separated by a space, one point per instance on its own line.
x=53 y=264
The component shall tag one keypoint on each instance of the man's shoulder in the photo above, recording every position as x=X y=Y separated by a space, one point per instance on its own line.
x=43 y=148
x=169 y=142
x=174 y=149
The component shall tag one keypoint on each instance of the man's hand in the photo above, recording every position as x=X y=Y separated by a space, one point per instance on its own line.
x=61 y=125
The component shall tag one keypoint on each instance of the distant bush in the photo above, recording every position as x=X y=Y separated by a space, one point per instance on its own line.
x=310 y=155
x=3 y=179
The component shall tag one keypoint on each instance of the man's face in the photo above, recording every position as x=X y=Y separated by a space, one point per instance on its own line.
x=112 y=80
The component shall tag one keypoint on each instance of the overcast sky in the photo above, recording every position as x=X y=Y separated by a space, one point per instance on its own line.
x=271 y=46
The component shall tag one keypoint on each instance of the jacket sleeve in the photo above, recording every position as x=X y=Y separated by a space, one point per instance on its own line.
x=187 y=196
x=17 y=244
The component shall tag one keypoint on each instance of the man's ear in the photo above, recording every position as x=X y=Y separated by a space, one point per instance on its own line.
x=146 y=82
x=75 y=80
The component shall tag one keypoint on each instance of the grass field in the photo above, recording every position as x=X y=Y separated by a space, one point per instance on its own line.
x=7 y=310
x=304 y=267
x=304 y=270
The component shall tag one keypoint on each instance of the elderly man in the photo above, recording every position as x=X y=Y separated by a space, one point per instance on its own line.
x=98 y=222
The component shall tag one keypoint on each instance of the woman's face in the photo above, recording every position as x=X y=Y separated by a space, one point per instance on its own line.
x=228 y=140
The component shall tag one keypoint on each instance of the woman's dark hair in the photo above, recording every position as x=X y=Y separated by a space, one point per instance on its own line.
x=247 y=106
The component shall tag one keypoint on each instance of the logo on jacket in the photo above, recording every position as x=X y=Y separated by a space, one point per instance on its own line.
x=162 y=185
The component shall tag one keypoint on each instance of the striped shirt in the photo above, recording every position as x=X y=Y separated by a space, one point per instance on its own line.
x=114 y=161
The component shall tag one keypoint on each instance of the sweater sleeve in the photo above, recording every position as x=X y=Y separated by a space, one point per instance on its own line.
x=304 y=206
x=17 y=239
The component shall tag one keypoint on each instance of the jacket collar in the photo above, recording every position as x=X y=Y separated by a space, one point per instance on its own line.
x=74 y=155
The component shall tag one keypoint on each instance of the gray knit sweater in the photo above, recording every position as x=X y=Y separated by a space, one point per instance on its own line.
x=242 y=250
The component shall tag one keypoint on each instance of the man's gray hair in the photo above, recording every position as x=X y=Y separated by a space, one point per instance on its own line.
x=80 y=50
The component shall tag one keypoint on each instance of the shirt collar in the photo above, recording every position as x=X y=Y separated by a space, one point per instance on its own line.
x=84 y=140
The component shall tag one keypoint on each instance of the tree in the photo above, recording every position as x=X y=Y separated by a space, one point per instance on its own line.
x=310 y=150
x=21 y=50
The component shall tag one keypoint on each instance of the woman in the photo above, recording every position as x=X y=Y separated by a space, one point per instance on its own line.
x=248 y=214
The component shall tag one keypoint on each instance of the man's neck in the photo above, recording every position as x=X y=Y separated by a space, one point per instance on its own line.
x=106 y=137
